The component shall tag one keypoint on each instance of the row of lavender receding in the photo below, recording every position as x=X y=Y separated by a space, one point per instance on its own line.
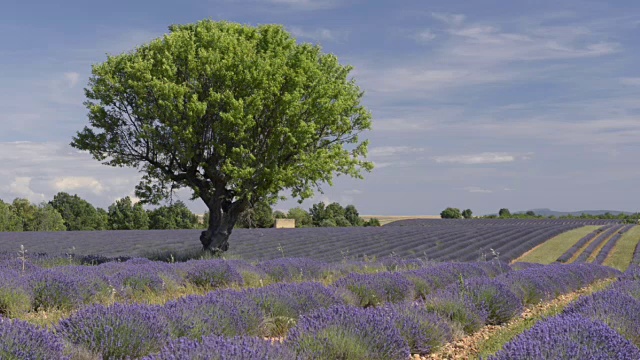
x=604 y=236
x=604 y=325
x=441 y=240
x=385 y=315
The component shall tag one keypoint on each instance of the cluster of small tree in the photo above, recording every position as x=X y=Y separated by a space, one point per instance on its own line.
x=72 y=213
x=261 y=215
x=455 y=213
x=504 y=213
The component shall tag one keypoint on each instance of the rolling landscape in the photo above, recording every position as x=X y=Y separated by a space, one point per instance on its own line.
x=200 y=180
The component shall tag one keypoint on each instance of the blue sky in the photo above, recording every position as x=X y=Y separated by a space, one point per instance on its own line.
x=480 y=105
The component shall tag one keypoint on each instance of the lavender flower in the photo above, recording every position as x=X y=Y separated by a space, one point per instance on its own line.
x=570 y=337
x=619 y=311
x=423 y=330
x=344 y=332
x=223 y=348
x=20 y=340
x=376 y=289
x=289 y=269
x=222 y=312
x=117 y=332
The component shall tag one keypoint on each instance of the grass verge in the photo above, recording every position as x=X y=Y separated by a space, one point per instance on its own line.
x=550 y=250
x=621 y=255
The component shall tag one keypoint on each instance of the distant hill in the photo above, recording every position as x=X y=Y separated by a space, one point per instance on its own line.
x=549 y=212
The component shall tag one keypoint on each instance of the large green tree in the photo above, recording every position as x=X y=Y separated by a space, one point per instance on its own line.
x=451 y=213
x=173 y=216
x=125 y=215
x=236 y=113
x=9 y=220
x=78 y=214
x=301 y=216
x=47 y=218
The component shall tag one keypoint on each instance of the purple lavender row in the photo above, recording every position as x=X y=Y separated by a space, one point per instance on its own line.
x=604 y=252
x=138 y=330
x=605 y=236
x=578 y=245
x=604 y=325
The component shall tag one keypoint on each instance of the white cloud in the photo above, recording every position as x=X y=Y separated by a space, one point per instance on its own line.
x=632 y=81
x=474 y=159
x=72 y=78
x=385 y=151
x=449 y=19
x=40 y=170
x=475 y=189
x=425 y=36
x=319 y=34
x=307 y=4
x=72 y=183
x=20 y=187
x=353 y=192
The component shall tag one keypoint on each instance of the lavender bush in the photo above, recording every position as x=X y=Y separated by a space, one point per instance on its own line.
x=619 y=311
x=459 y=308
x=118 y=331
x=570 y=337
x=211 y=274
x=15 y=295
x=376 y=289
x=427 y=280
x=284 y=303
x=501 y=304
x=423 y=330
x=20 y=340
x=294 y=269
x=347 y=333
x=223 y=348
x=222 y=312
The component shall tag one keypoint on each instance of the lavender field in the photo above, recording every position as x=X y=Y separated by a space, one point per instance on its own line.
x=300 y=308
x=441 y=240
x=93 y=307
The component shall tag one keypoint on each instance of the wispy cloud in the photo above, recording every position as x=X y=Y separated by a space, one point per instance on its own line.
x=386 y=151
x=425 y=36
x=307 y=4
x=476 y=189
x=474 y=159
x=318 y=34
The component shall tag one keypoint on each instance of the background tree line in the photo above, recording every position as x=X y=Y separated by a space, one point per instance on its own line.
x=72 y=213
x=504 y=213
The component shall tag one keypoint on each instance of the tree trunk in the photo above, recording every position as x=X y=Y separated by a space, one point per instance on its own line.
x=222 y=219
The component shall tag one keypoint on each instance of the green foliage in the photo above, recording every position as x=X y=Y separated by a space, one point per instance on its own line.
x=260 y=215
x=302 y=218
x=279 y=215
x=234 y=112
x=352 y=215
x=451 y=213
x=124 y=215
x=78 y=214
x=173 y=216
x=26 y=211
x=467 y=214
x=504 y=212
x=372 y=222
x=47 y=218
x=9 y=220
x=334 y=215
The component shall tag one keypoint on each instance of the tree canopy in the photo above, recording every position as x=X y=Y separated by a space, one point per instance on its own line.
x=467 y=214
x=451 y=213
x=236 y=113
x=125 y=215
x=78 y=214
